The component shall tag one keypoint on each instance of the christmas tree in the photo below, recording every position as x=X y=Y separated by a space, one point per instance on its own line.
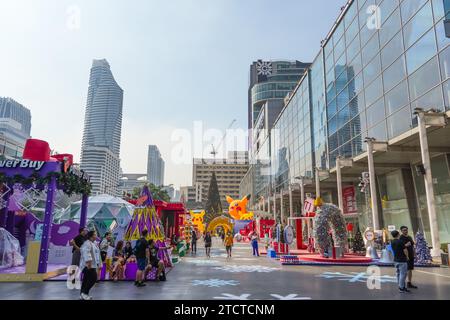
x=423 y=255
x=358 y=242
x=213 y=205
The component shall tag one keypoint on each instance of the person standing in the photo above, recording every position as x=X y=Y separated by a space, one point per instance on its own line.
x=208 y=243
x=76 y=244
x=128 y=251
x=90 y=261
x=228 y=242
x=409 y=244
x=254 y=242
x=193 y=242
x=141 y=251
x=105 y=244
x=400 y=260
x=155 y=262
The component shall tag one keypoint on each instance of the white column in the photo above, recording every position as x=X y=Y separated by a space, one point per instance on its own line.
x=275 y=206
x=291 y=203
x=281 y=207
x=373 y=187
x=317 y=183
x=339 y=184
x=429 y=187
x=269 y=208
x=302 y=197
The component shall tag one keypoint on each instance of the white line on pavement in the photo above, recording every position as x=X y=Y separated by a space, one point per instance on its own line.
x=435 y=274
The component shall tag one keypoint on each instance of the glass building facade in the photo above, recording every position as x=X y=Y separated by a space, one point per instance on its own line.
x=381 y=61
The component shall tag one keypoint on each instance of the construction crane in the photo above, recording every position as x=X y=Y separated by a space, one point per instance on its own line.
x=214 y=151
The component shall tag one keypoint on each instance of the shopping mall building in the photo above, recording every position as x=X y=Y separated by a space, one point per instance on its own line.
x=380 y=65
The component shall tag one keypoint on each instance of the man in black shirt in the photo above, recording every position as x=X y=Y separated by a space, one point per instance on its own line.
x=76 y=244
x=193 y=242
x=409 y=244
x=155 y=262
x=400 y=260
x=141 y=252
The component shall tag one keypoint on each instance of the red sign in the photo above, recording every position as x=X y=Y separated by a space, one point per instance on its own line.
x=349 y=195
x=309 y=206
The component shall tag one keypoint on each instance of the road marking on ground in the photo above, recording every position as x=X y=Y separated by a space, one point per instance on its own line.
x=434 y=274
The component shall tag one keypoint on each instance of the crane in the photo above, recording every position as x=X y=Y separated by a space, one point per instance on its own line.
x=214 y=151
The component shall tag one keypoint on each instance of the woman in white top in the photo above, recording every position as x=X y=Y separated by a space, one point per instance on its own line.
x=89 y=263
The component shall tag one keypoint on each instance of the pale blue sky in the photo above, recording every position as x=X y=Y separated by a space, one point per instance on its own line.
x=178 y=61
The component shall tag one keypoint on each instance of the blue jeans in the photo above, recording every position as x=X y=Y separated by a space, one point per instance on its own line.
x=255 y=248
x=402 y=270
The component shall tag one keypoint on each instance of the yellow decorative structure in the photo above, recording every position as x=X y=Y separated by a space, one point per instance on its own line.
x=238 y=209
x=318 y=202
x=197 y=220
x=221 y=221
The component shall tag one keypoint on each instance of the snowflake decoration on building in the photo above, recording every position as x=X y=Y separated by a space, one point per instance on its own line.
x=244 y=268
x=215 y=283
x=264 y=68
x=353 y=277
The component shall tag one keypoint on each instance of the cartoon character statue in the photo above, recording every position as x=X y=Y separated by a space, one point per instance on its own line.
x=238 y=209
x=197 y=220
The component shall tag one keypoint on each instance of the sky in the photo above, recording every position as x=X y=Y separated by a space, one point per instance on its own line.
x=181 y=64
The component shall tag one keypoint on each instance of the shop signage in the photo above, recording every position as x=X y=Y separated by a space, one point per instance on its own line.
x=349 y=196
x=23 y=164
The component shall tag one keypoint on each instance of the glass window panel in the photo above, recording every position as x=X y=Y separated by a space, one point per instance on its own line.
x=394 y=74
x=442 y=40
x=355 y=65
x=397 y=98
x=333 y=142
x=378 y=132
x=372 y=70
x=424 y=79
x=386 y=7
x=421 y=52
x=438 y=9
x=357 y=146
x=339 y=48
x=399 y=122
x=346 y=150
x=344 y=135
x=418 y=25
x=351 y=13
x=357 y=105
x=392 y=50
x=431 y=100
x=409 y=8
x=332 y=125
x=358 y=124
x=370 y=50
x=352 y=31
x=446 y=88
x=343 y=116
x=353 y=48
x=373 y=91
x=390 y=28
x=375 y=113
x=444 y=60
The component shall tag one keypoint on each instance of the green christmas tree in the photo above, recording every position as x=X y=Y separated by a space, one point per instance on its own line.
x=358 y=242
x=213 y=207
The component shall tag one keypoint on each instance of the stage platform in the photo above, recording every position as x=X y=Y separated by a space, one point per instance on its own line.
x=17 y=274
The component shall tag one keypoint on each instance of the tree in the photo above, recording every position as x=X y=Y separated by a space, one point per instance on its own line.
x=157 y=192
x=423 y=255
x=213 y=205
x=358 y=242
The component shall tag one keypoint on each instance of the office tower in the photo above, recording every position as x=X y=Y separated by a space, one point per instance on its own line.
x=155 y=166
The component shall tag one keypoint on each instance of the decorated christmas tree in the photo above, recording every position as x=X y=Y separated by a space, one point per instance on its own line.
x=358 y=242
x=423 y=255
x=213 y=205
x=146 y=218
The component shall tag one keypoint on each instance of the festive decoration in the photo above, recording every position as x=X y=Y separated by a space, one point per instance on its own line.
x=358 y=242
x=330 y=217
x=215 y=283
x=221 y=221
x=238 y=208
x=244 y=268
x=213 y=205
x=423 y=255
x=197 y=220
x=354 y=277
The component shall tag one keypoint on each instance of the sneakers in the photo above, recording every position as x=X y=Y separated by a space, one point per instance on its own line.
x=85 y=297
x=140 y=284
x=404 y=290
x=411 y=286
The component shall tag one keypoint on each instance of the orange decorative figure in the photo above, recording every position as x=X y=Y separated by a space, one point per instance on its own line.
x=238 y=209
x=197 y=220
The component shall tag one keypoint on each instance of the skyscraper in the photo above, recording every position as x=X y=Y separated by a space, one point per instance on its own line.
x=100 y=154
x=15 y=128
x=155 y=166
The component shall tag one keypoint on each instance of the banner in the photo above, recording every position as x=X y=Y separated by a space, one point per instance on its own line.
x=349 y=195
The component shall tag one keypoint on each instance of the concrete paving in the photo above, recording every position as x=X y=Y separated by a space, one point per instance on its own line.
x=244 y=277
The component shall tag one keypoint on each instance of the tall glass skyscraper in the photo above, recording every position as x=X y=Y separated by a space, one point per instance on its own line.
x=155 y=166
x=100 y=154
x=381 y=61
x=15 y=128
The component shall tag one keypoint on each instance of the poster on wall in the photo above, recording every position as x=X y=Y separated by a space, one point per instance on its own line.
x=349 y=195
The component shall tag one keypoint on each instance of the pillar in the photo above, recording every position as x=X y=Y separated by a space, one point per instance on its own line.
x=84 y=208
x=281 y=207
x=275 y=207
x=317 y=183
x=302 y=198
x=429 y=187
x=291 y=203
x=339 y=184
x=373 y=187
x=48 y=215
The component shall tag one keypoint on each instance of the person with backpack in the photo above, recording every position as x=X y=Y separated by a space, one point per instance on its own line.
x=141 y=251
x=193 y=242
x=208 y=243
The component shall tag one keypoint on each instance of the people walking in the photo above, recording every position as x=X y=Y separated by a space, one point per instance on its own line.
x=228 y=242
x=193 y=242
x=76 y=244
x=90 y=261
x=208 y=243
x=400 y=260
x=141 y=251
x=409 y=244
x=254 y=242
